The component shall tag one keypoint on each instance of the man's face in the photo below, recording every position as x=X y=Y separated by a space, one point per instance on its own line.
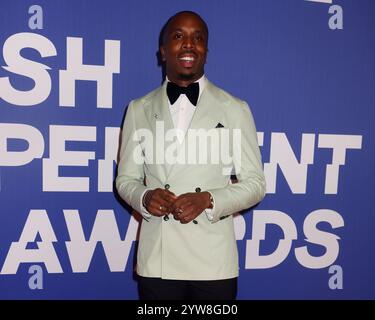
x=184 y=48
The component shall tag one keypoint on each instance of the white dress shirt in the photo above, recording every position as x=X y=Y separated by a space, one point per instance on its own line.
x=182 y=110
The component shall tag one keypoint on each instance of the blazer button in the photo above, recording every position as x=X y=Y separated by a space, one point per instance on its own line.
x=165 y=218
x=167 y=186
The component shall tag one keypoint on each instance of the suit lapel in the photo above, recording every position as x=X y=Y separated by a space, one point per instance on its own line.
x=208 y=111
x=156 y=109
x=159 y=119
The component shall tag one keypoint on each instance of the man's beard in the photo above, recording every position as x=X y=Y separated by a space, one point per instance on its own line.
x=184 y=76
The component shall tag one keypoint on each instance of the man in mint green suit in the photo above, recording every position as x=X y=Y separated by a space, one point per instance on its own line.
x=180 y=144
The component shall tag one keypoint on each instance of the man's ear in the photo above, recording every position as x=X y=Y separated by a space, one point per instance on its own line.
x=162 y=53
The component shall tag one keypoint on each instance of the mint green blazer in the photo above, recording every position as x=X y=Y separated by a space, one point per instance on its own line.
x=206 y=250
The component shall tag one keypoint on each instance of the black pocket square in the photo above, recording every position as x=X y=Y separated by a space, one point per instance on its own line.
x=219 y=125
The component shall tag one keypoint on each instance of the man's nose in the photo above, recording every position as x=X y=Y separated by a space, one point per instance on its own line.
x=188 y=43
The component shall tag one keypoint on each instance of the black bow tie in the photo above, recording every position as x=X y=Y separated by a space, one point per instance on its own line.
x=191 y=91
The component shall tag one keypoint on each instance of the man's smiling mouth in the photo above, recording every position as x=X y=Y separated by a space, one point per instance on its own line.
x=187 y=60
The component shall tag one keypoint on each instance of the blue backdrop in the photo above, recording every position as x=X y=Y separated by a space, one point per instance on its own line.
x=306 y=68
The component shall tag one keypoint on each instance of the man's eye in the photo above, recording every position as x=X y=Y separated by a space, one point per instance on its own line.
x=177 y=36
x=199 y=37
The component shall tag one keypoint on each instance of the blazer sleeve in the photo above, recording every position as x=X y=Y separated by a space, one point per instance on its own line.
x=251 y=187
x=130 y=177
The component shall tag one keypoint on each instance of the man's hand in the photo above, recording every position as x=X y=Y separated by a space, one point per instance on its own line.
x=159 y=202
x=190 y=205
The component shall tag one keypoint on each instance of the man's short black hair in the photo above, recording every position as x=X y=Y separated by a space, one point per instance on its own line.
x=165 y=27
